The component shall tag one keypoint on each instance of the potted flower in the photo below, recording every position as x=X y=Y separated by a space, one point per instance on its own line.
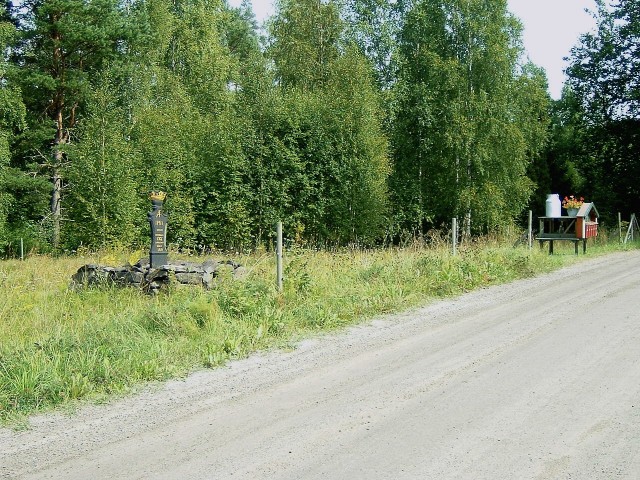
x=572 y=205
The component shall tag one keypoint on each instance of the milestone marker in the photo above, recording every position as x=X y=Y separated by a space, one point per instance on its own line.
x=158 y=255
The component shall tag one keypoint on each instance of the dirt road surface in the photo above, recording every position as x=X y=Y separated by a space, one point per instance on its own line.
x=538 y=379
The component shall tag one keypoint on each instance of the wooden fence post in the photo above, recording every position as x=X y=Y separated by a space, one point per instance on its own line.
x=620 y=227
x=530 y=232
x=279 y=256
x=454 y=235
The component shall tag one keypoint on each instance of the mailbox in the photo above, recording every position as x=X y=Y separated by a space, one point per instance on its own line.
x=587 y=221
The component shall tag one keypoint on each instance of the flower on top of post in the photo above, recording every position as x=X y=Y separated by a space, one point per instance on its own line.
x=572 y=202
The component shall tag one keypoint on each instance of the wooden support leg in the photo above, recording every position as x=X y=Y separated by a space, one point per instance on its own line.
x=584 y=246
x=576 y=247
x=550 y=247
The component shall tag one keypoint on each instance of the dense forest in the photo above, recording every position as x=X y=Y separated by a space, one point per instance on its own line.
x=352 y=121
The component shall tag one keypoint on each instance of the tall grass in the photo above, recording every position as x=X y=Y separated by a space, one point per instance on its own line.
x=59 y=345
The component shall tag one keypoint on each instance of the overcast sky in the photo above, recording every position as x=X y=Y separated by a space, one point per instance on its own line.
x=551 y=28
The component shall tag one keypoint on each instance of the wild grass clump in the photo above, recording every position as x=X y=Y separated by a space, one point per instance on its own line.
x=59 y=345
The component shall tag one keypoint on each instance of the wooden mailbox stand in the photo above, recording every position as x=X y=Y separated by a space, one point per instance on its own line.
x=571 y=229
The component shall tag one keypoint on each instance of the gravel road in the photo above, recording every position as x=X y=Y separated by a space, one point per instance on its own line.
x=537 y=379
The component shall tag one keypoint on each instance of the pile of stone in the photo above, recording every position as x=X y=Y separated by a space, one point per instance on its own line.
x=151 y=280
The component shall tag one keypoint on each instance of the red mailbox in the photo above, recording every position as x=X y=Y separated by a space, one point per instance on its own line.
x=587 y=221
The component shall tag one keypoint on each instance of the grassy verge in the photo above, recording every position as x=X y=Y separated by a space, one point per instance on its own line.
x=59 y=346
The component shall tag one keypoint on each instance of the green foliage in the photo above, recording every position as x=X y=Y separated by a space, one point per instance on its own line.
x=163 y=138
x=305 y=37
x=602 y=140
x=352 y=121
x=12 y=118
x=334 y=135
x=104 y=204
x=559 y=168
x=357 y=158
x=27 y=205
x=374 y=26
x=64 y=43
x=220 y=184
x=466 y=124
x=601 y=61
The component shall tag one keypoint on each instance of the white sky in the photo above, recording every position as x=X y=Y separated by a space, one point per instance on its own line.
x=551 y=28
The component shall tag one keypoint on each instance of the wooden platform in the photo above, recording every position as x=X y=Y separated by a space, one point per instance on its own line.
x=558 y=237
x=563 y=229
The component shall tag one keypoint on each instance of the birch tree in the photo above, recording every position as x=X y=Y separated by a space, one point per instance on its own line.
x=338 y=143
x=460 y=144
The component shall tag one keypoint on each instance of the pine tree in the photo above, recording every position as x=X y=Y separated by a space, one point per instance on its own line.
x=65 y=43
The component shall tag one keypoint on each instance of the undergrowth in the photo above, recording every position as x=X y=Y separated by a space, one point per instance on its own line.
x=59 y=346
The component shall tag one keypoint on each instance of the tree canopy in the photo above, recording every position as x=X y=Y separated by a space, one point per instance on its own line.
x=602 y=105
x=352 y=121
x=469 y=118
